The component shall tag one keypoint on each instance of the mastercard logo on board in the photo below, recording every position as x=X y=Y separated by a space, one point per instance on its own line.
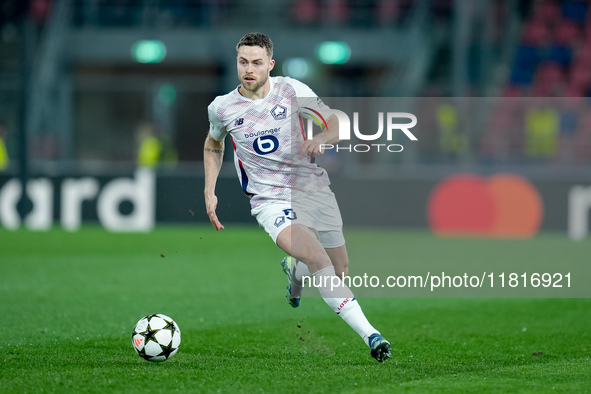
x=501 y=206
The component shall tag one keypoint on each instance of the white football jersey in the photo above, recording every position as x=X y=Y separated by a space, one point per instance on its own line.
x=266 y=136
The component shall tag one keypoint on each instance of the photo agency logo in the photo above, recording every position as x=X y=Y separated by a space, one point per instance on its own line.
x=395 y=122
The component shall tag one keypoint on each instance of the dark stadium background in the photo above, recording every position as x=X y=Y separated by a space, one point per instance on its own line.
x=84 y=82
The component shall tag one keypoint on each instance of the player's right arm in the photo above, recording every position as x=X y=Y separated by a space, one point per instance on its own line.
x=213 y=155
x=313 y=147
x=308 y=100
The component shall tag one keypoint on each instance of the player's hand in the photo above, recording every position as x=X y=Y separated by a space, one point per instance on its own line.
x=311 y=148
x=211 y=203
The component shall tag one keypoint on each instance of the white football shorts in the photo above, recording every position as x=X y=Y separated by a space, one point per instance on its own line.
x=319 y=211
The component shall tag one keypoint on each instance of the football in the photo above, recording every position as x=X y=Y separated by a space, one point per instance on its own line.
x=156 y=337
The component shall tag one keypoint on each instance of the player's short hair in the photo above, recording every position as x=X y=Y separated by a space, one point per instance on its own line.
x=257 y=40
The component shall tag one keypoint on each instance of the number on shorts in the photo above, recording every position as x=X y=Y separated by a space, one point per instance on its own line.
x=290 y=214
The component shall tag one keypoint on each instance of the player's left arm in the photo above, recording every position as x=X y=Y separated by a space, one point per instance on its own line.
x=329 y=136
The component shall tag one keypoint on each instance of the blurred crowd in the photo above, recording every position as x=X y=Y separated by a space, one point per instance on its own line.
x=552 y=60
x=133 y=13
x=554 y=54
x=207 y=13
x=506 y=130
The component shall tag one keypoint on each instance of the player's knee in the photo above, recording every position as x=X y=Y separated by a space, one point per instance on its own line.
x=317 y=261
x=342 y=270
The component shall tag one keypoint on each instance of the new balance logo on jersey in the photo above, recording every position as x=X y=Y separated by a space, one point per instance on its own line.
x=279 y=112
x=239 y=122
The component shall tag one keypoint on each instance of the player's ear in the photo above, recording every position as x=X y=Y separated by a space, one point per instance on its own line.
x=271 y=64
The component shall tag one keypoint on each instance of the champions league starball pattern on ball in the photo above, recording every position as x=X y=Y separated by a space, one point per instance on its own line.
x=156 y=337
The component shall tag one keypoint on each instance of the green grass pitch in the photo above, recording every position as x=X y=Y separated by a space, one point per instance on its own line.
x=68 y=303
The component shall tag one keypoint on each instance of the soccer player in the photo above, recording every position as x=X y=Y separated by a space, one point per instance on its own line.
x=289 y=194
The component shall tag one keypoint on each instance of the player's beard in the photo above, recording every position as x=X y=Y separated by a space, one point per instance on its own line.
x=256 y=86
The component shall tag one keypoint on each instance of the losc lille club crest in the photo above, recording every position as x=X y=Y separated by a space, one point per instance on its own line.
x=279 y=112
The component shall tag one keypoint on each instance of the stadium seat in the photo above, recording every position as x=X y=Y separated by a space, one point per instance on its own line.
x=536 y=33
x=583 y=55
x=306 y=11
x=560 y=54
x=575 y=10
x=512 y=91
x=387 y=12
x=549 y=73
x=573 y=90
x=580 y=76
x=337 y=12
x=567 y=33
x=525 y=62
x=547 y=12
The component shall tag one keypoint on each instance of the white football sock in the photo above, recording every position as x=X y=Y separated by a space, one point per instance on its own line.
x=341 y=300
x=301 y=270
x=355 y=318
